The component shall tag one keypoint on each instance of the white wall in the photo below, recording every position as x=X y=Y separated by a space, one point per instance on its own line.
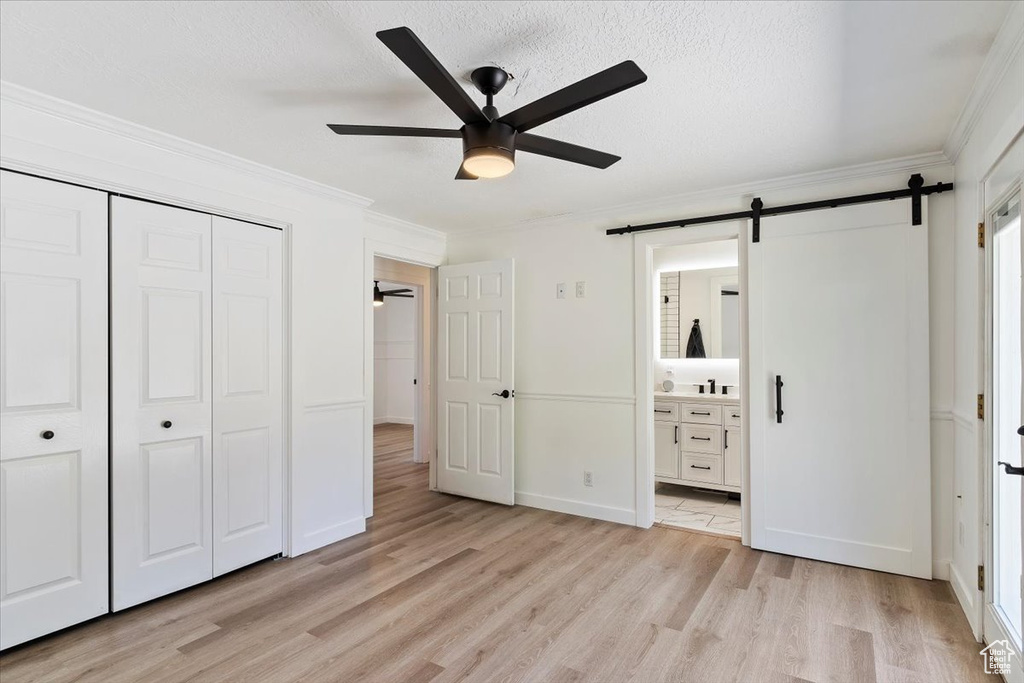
x=992 y=119
x=394 y=358
x=575 y=359
x=326 y=230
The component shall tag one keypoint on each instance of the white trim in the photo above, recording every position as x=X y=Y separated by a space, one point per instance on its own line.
x=404 y=226
x=968 y=422
x=327 y=535
x=612 y=216
x=576 y=507
x=1005 y=48
x=940 y=569
x=963 y=591
x=576 y=398
x=942 y=415
x=394 y=420
x=80 y=115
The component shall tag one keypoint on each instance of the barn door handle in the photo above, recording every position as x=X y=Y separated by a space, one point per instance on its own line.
x=505 y=393
x=778 y=399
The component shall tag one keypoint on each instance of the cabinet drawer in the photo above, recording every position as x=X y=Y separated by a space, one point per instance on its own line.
x=701 y=413
x=701 y=439
x=731 y=416
x=706 y=468
x=666 y=411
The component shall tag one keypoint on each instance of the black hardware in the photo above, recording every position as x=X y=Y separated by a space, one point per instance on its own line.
x=778 y=399
x=1020 y=430
x=712 y=386
x=1010 y=469
x=726 y=433
x=700 y=438
x=504 y=393
x=725 y=389
x=756 y=207
x=736 y=416
x=414 y=381
x=677 y=434
x=915 y=184
x=166 y=424
x=662 y=411
x=700 y=388
x=758 y=210
x=47 y=435
x=666 y=299
x=692 y=412
x=700 y=467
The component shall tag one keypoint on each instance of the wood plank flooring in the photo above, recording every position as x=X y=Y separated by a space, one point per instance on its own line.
x=445 y=589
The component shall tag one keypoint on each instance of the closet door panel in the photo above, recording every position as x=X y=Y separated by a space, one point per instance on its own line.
x=161 y=276
x=247 y=420
x=53 y=406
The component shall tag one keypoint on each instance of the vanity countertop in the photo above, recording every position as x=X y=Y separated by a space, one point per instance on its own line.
x=693 y=396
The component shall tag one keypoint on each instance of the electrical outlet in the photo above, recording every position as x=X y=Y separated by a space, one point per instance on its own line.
x=588 y=478
x=560 y=290
x=581 y=289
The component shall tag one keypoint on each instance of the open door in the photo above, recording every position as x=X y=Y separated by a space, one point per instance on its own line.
x=839 y=400
x=476 y=381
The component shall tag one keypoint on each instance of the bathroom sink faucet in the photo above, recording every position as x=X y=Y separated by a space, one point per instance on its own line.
x=712 y=385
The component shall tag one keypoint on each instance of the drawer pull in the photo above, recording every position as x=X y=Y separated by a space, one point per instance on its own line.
x=696 y=413
x=677 y=434
x=736 y=416
x=700 y=438
x=726 y=439
x=662 y=411
x=700 y=467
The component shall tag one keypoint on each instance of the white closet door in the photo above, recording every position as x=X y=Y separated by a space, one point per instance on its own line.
x=162 y=399
x=247 y=436
x=476 y=368
x=53 y=406
x=839 y=310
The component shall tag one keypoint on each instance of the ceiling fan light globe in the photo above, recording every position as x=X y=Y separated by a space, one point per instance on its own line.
x=378 y=303
x=488 y=162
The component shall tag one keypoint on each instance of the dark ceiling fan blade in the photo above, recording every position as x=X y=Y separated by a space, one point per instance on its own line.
x=556 y=149
x=393 y=292
x=415 y=55
x=570 y=98
x=401 y=131
x=464 y=175
x=400 y=296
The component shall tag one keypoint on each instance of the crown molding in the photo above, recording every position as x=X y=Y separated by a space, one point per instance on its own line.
x=401 y=225
x=614 y=214
x=83 y=116
x=1007 y=45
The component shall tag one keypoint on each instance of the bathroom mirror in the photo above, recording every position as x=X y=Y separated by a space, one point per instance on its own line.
x=699 y=313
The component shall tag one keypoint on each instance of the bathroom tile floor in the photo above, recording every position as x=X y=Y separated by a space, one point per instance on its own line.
x=689 y=508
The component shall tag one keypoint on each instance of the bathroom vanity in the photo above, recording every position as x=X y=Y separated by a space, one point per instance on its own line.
x=697 y=440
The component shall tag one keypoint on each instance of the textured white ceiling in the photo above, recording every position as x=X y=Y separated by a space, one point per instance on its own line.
x=737 y=91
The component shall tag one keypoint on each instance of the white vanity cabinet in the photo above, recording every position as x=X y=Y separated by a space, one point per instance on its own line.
x=697 y=440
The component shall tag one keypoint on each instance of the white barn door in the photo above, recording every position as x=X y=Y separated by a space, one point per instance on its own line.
x=839 y=313
x=476 y=380
x=247 y=352
x=161 y=342
x=53 y=406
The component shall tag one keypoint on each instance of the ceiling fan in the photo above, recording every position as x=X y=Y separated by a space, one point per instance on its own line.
x=489 y=141
x=378 y=295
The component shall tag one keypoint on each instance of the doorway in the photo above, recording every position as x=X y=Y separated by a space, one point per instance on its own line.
x=1003 y=603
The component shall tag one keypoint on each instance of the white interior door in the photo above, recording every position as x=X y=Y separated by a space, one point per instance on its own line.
x=247 y=436
x=1003 y=604
x=839 y=310
x=162 y=399
x=53 y=406
x=476 y=373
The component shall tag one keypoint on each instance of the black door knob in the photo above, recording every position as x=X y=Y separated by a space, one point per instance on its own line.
x=504 y=393
x=1020 y=430
x=47 y=434
x=166 y=424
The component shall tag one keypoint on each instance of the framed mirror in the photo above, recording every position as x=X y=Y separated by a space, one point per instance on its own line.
x=699 y=313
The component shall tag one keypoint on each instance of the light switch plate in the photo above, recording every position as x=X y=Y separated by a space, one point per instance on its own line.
x=560 y=290
x=581 y=289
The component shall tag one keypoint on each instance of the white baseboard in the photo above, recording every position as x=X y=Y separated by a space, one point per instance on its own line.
x=578 y=508
x=328 y=535
x=940 y=570
x=965 y=595
x=393 y=420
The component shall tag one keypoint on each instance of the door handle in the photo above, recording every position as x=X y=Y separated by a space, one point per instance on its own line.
x=778 y=399
x=1010 y=469
x=1020 y=430
x=505 y=393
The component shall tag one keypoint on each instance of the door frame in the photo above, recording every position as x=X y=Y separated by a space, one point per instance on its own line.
x=644 y=245
x=373 y=248
x=1016 y=187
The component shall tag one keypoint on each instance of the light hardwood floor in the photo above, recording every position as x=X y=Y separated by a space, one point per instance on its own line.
x=445 y=589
